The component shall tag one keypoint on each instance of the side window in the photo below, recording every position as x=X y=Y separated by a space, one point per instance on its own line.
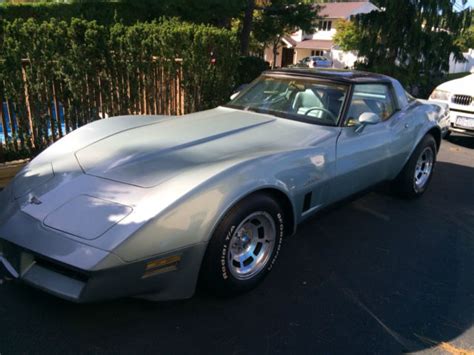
x=375 y=98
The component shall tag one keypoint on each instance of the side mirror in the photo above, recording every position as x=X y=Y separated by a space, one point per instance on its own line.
x=367 y=118
x=238 y=91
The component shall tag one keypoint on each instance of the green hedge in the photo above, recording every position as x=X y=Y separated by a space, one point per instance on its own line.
x=93 y=70
x=216 y=12
x=250 y=68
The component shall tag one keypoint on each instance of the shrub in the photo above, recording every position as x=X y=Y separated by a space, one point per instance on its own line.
x=250 y=68
x=58 y=75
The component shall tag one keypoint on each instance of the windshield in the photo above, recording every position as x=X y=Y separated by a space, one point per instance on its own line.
x=303 y=99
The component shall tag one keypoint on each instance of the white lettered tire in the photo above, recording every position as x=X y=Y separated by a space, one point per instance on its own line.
x=415 y=177
x=244 y=246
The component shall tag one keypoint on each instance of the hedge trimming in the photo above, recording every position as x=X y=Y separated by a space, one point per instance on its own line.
x=90 y=70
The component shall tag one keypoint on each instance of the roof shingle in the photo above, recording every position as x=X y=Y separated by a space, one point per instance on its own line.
x=340 y=9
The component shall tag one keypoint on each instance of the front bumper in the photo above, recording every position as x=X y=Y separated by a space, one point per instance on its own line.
x=45 y=259
x=455 y=127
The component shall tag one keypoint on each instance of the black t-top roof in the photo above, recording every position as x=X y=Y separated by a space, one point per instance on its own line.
x=345 y=76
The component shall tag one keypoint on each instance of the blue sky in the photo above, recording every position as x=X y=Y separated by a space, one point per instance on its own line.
x=469 y=3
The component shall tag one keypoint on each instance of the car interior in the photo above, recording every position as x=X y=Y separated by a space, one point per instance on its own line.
x=370 y=98
x=318 y=101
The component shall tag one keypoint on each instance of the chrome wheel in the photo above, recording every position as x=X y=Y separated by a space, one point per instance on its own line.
x=423 y=169
x=251 y=245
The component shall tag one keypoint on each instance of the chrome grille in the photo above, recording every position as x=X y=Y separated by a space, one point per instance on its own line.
x=465 y=100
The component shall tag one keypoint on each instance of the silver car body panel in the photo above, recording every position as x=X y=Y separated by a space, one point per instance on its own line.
x=117 y=193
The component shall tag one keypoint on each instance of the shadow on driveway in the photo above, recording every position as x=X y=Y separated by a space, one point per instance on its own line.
x=378 y=275
x=463 y=141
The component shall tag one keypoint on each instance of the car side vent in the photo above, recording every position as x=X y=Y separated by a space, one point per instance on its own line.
x=465 y=100
x=307 y=201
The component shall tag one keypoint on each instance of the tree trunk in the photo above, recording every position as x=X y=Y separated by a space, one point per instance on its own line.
x=275 y=51
x=247 y=28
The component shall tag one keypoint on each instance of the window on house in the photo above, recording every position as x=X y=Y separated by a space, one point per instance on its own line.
x=317 y=52
x=325 y=25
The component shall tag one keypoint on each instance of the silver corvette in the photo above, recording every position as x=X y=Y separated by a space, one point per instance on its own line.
x=149 y=206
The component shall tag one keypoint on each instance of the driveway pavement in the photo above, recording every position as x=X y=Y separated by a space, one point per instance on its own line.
x=377 y=275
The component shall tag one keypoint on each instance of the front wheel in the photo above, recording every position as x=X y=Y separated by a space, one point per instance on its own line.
x=245 y=246
x=415 y=177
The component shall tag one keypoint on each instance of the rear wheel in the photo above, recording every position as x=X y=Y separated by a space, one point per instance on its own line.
x=244 y=246
x=417 y=173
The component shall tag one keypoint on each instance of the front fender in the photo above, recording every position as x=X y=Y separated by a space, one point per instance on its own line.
x=423 y=119
x=191 y=219
x=433 y=129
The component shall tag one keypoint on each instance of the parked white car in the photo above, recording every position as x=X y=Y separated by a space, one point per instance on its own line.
x=459 y=95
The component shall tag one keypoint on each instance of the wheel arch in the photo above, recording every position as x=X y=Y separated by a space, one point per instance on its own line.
x=436 y=133
x=433 y=131
x=275 y=193
x=284 y=201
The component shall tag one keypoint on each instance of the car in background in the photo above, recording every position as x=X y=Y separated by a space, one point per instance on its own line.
x=315 y=61
x=459 y=95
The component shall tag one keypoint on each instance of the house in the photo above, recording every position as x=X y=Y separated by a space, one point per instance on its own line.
x=300 y=44
x=462 y=67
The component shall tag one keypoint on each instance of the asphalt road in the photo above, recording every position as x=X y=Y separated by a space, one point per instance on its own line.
x=376 y=275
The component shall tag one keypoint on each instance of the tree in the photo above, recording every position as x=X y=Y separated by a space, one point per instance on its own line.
x=409 y=39
x=466 y=39
x=347 y=36
x=283 y=17
x=215 y=12
x=246 y=27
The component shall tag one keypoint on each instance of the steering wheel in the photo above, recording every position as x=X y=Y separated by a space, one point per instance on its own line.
x=332 y=116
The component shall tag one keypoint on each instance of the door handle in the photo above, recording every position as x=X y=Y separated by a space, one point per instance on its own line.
x=407 y=125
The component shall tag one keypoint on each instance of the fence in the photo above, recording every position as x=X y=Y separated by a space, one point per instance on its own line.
x=57 y=76
x=156 y=91
x=462 y=67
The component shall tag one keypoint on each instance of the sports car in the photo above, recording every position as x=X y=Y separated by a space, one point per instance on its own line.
x=152 y=206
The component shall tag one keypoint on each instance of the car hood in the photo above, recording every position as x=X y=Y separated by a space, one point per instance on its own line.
x=117 y=174
x=462 y=86
x=147 y=156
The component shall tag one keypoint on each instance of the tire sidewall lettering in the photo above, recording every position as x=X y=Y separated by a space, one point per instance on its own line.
x=225 y=248
x=280 y=231
x=280 y=234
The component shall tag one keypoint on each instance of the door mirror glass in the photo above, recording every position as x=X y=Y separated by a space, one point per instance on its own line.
x=369 y=118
